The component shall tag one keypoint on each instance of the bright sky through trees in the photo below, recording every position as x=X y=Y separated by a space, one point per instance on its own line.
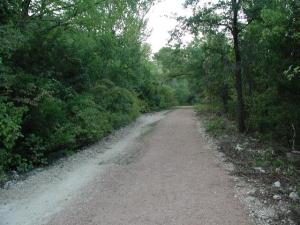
x=162 y=20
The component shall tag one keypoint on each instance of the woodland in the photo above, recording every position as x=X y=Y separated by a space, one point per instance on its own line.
x=73 y=71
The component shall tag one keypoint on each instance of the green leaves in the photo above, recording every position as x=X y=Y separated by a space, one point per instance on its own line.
x=292 y=72
x=267 y=34
x=10 y=124
x=80 y=70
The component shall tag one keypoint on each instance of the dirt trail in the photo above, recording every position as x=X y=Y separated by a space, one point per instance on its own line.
x=166 y=176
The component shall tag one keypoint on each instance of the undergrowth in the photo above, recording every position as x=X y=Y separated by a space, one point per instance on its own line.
x=254 y=157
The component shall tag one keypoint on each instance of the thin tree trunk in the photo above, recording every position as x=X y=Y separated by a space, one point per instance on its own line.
x=238 y=69
x=250 y=84
x=225 y=96
x=42 y=9
x=25 y=8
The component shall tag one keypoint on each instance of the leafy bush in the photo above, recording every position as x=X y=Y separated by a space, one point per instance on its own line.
x=123 y=105
x=77 y=84
x=46 y=129
x=167 y=97
x=10 y=124
x=90 y=121
x=216 y=125
x=156 y=97
x=10 y=131
x=272 y=119
x=37 y=148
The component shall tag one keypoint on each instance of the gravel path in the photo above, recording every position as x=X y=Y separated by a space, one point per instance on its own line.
x=163 y=175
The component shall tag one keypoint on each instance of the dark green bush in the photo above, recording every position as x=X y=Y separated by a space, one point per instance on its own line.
x=167 y=97
x=48 y=129
x=123 y=105
x=271 y=117
x=156 y=97
x=90 y=120
x=77 y=79
x=10 y=131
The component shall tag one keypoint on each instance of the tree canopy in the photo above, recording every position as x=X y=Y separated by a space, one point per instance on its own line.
x=70 y=73
x=73 y=71
x=245 y=55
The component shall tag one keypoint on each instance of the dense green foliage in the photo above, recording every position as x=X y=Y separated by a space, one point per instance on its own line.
x=70 y=73
x=269 y=47
x=73 y=71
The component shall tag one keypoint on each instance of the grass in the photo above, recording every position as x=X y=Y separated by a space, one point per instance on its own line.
x=215 y=124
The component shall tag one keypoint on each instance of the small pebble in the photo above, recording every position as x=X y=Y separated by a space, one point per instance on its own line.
x=277 y=184
x=294 y=196
x=276 y=197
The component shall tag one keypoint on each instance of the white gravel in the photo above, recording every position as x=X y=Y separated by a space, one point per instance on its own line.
x=48 y=191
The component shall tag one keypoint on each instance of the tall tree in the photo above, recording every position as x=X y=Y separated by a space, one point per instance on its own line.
x=223 y=16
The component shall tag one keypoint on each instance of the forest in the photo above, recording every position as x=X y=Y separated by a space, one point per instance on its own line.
x=244 y=63
x=72 y=72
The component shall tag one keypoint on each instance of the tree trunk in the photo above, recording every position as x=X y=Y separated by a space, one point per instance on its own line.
x=225 y=97
x=238 y=69
x=42 y=8
x=250 y=83
x=25 y=8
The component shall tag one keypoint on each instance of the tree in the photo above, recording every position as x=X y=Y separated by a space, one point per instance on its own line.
x=264 y=40
x=70 y=72
x=223 y=16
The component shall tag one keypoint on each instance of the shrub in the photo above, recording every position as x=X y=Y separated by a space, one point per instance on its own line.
x=216 y=125
x=123 y=105
x=90 y=121
x=37 y=148
x=10 y=131
x=271 y=118
x=156 y=97
x=167 y=97
x=48 y=130
x=10 y=124
x=44 y=117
